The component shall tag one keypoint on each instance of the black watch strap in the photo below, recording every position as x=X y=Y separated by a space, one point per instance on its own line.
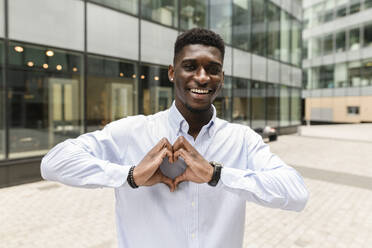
x=217 y=168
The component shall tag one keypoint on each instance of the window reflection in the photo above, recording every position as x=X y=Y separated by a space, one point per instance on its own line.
x=258 y=27
x=367 y=73
x=295 y=106
x=285 y=27
x=157 y=90
x=110 y=91
x=241 y=100
x=272 y=105
x=367 y=35
x=296 y=42
x=354 y=69
x=129 y=6
x=284 y=106
x=44 y=102
x=354 y=39
x=241 y=24
x=194 y=13
x=220 y=18
x=163 y=11
x=258 y=104
x=223 y=101
x=341 y=41
x=273 y=39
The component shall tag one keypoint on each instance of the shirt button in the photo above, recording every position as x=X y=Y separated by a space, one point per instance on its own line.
x=193 y=235
x=193 y=204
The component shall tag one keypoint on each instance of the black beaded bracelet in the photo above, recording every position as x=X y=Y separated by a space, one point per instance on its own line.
x=130 y=178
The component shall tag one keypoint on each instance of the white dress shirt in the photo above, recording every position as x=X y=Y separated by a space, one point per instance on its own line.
x=195 y=215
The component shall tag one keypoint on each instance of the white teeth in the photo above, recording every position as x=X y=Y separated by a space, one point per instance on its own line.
x=199 y=91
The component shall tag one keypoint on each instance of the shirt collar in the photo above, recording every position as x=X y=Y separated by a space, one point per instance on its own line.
x=178 y=122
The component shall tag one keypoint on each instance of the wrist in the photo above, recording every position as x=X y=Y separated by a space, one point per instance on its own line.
x=217 y=168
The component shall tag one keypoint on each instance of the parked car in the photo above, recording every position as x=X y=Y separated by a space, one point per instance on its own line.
x=267 y=133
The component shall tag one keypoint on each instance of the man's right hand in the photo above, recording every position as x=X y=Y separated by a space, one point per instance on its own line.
x=147 y=172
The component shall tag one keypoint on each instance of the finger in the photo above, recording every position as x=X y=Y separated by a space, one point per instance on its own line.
x=180 y=143
x=181 y=178
x=170 y=149
x=180 y=152
x=168 y=182
x=165 y=153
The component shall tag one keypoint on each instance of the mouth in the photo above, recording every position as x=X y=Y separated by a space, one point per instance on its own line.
x=200 y=91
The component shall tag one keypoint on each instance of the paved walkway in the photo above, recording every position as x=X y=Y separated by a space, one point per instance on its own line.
x=337 y=171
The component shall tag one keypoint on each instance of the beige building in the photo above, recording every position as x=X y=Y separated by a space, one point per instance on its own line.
x=337 y=60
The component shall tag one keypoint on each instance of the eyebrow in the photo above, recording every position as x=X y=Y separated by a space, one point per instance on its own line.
x=194 y=60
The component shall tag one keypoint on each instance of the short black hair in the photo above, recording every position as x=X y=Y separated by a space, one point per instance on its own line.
x=199 y=36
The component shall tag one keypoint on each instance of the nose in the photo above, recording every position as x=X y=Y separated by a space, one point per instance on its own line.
x=202 y=76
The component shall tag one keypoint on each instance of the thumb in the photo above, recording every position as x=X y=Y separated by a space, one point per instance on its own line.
x=167 y=181
x=180 y=179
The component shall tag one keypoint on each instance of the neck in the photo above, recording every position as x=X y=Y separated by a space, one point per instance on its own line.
x=195 y=119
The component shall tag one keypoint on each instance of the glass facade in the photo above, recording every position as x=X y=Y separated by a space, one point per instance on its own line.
x=162 y=11
x=44 y=94
x=193 y=13
x=57 y=91
x=111 y=91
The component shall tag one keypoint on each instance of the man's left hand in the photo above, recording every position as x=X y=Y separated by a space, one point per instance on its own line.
x=198 y=169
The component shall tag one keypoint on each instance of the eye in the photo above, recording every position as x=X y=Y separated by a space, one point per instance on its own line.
x=189 y=67
x=214 y=69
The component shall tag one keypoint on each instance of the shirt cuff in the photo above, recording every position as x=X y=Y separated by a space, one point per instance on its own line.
x=117 y=174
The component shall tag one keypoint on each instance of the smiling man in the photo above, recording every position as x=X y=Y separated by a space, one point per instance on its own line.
x=182 y=176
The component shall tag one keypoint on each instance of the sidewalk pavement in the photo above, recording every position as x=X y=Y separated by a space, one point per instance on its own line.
x=337 y=171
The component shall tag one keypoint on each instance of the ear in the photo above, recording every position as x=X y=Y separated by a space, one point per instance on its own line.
x=171 y=73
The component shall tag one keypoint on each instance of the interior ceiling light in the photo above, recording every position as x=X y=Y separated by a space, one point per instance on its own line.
x=369 y=64
x=59 y=67
x=49 y=53
x=134 y=76
x=156 y=78
x=45 y=66
x=142 y=76
x=30 y=64
x=18 y=49
x=121 y=74
x=75 y=69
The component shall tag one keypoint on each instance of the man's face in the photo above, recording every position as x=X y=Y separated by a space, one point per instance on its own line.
x=198 y=76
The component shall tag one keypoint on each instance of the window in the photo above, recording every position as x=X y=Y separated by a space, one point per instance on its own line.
x=305 y=47
x=317 y=14
x=306 y=80
x=295 y=106
x=223 y=102
x=45 y=98
x=367 y=73
x=340 y=41
x=162 y=11
x=258 y=104
x=220 y=18
x=367 y=4
x=273 y=39
x=328 y=44
x=296 y=42
x=328 y=11
x=194 y=14
x=315 y=77
x=354 y=6
x=353 y=110
x=129 y=6
x=241 y=24
x=241 y=98
x=341 y=9
x=284 y=106
x=326 y=74
x=354 y=69
x=354 y=39
x=340 y=75
x=367 y=35
x=156 y=90
x=258 y=27
x=111 y=87
x=285 y=36
x=272 y=105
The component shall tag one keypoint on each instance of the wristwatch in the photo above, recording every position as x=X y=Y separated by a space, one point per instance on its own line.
x=217 y=168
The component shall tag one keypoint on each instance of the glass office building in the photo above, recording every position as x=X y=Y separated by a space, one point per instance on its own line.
x=337 y=60
x=69 y=67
